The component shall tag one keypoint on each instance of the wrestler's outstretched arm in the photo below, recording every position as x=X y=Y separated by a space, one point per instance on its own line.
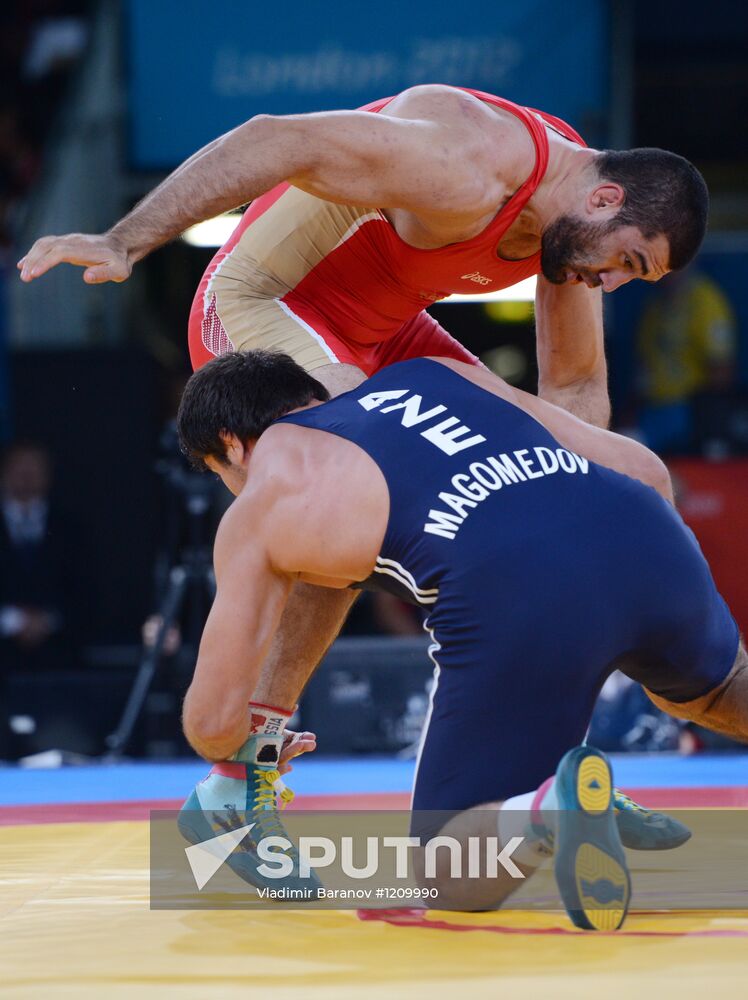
x=442 y=156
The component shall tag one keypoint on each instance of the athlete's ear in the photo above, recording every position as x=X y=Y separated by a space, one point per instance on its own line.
x=605 y=198
x=238 y=452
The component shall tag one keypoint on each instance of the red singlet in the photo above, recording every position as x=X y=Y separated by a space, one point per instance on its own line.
x=344 y=280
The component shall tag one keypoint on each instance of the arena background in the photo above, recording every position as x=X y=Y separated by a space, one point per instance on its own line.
x=99 y=101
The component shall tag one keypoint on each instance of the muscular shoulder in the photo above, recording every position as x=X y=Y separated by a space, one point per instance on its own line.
x=280 y=471
x=259 y=520
x=438 y=102
x=318 y=502
x=290 y=474
x=488 y=137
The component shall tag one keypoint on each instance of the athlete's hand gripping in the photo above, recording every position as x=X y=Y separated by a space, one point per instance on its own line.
x=102 y=256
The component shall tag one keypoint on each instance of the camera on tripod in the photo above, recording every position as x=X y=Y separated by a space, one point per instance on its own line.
x=193 y=503
x=189 y=498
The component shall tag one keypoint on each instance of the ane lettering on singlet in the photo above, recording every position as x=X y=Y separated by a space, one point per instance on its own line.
x=483 y=478
x=448 y=435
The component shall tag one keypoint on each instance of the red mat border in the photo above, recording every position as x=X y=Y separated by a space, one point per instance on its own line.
x=107 y=812
x=422 y=920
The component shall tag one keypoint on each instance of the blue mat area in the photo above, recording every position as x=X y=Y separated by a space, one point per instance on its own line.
x=123 y=782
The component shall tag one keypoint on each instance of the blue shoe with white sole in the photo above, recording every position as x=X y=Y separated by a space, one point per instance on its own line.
x=243 y=793
x=589 y=860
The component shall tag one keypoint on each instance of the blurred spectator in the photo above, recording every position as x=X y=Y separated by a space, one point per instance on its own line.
x=41 y=42
x=19 y=163
x=626 y=720
x=55 y=44
x=687 y=347
x=43 y=596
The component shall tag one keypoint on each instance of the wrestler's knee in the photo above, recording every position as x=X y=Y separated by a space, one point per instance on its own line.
x=449 y=887
x=206 y=721
x=338 y=378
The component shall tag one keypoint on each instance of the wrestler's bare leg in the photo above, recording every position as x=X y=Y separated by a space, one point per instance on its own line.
x=338 y=378
x=475 y=893
x=310 y=623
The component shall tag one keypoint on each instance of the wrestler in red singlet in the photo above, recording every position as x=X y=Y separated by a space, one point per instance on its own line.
x=328 y=282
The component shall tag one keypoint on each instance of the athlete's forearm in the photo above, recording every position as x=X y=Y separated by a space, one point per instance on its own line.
x=587 y=399
x=230 y=171
x=246 y=612
x=572 y=371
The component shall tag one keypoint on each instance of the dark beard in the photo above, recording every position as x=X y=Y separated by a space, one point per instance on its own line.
x=567 y=245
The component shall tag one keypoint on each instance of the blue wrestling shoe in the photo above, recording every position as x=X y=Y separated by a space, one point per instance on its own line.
x=242 y=792
x=589 y=861
x=644 y=830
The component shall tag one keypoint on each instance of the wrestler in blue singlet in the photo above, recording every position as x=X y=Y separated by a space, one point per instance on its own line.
x=540 y=572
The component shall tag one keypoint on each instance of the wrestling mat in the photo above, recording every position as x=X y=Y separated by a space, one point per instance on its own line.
x=75 y=917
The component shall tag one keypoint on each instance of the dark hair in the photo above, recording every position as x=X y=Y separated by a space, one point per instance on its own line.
x=664 y=194
x=240 y=393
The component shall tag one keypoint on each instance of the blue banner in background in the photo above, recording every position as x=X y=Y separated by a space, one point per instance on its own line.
x=197 y=69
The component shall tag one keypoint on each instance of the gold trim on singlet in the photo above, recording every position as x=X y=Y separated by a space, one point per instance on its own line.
x=277 y=250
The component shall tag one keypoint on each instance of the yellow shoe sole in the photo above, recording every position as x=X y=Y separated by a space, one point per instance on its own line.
x=589 y=864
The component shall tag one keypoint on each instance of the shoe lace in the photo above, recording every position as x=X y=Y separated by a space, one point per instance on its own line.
x=621 y=801
x=268 y=788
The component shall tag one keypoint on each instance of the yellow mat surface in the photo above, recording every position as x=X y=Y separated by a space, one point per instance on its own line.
x=75 y=922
